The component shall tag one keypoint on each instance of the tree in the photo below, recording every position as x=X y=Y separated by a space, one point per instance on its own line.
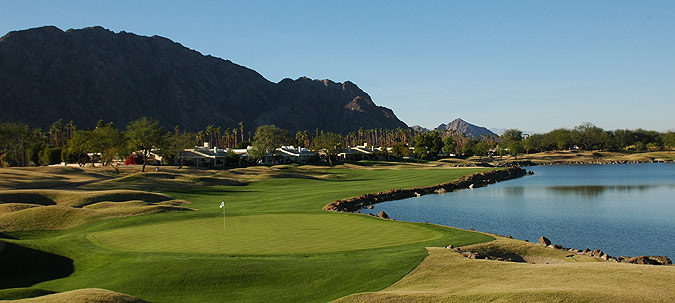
x=108 y=141
x=144 y=134
x=515 y=148
x=13 y=142
x=173 y=145
x=511 y=135
x=588 y=136
x=422 y=146
x=330 y=144
x=668 y=140
x=78 y=147
x=449 y=145
x=267 y=139
x=400 y=149
x=481 y=149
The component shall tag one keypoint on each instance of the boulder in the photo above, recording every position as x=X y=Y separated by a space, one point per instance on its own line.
x=544 y=241
x=383 y=215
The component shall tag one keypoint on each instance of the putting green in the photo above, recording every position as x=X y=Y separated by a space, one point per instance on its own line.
x=265 y=234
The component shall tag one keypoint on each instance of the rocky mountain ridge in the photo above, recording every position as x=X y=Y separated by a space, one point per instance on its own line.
x=92 y=74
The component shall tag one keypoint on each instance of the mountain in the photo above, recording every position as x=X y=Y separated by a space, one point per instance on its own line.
x=462 y=127
x=420 y=128
x=90 y=74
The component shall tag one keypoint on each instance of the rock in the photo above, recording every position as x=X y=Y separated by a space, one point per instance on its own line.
x=471 y=186
x=509 y=236
x=663 y=260
x=371 y=207
x=556 y=246
x=440 y=191
x=473 y=229
x=383 y=215
x=544 y=241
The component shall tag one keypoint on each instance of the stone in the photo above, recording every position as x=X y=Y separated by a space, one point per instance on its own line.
x=383 y=215
x=544 y=241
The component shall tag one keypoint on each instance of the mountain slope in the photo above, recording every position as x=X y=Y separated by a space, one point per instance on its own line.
x=462 y=127
x=89 y=74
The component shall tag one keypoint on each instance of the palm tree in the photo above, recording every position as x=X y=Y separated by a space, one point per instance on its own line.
x=241 y=127
x=227 y=138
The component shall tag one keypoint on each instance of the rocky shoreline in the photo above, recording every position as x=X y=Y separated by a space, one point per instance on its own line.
x=586 y=162
x=600 y=255
x=472 y=181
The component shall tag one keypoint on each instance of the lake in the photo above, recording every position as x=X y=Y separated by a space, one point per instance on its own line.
x=621 y=209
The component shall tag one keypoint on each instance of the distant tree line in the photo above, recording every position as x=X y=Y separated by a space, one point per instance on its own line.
x=21 y=145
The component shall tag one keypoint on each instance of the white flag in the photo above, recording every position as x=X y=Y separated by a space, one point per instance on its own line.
x=222 y=204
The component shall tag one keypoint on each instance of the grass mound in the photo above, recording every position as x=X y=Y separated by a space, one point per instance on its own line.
x=86 y=295
x=22 y=210
x=77 y=198
x=173 y=179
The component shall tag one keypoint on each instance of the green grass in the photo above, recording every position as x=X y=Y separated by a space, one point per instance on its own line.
x=265 y=234
x=277 y=242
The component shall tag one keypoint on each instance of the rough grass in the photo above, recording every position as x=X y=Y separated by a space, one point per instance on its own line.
x=446 y=276
x=87 y=295
x=23 y=210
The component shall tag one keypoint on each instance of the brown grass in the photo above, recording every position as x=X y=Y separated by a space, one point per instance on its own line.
x=532 y=252
x=446 y=276
x=86 y=295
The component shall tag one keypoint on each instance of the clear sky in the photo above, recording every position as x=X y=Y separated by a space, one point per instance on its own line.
x=532 y=65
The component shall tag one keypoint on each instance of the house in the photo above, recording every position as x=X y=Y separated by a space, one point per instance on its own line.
x=291 y=154
x=359 y=152
x=210 y=157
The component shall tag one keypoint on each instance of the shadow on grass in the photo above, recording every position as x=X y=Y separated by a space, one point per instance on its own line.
x=3 y=236
x=23 y=266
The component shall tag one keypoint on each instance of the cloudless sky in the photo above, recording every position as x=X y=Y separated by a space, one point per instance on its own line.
x=532 y=65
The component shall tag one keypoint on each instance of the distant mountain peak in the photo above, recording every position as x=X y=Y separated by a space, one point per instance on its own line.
x=462 y=127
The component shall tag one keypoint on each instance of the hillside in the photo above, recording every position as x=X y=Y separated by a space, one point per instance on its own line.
x=89 y=74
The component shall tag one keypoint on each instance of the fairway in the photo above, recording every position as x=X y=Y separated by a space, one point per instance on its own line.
x=265 y=234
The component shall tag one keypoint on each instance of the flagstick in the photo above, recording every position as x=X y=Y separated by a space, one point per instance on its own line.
x=222 y=205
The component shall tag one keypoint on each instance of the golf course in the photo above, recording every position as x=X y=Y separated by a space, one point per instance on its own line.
x=163 y=237
x=271 y=240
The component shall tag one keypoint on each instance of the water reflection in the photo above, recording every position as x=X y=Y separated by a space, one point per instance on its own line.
x=597 y=190
x=515 y=191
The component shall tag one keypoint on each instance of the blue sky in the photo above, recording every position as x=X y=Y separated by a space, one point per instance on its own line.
x=532 y=65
